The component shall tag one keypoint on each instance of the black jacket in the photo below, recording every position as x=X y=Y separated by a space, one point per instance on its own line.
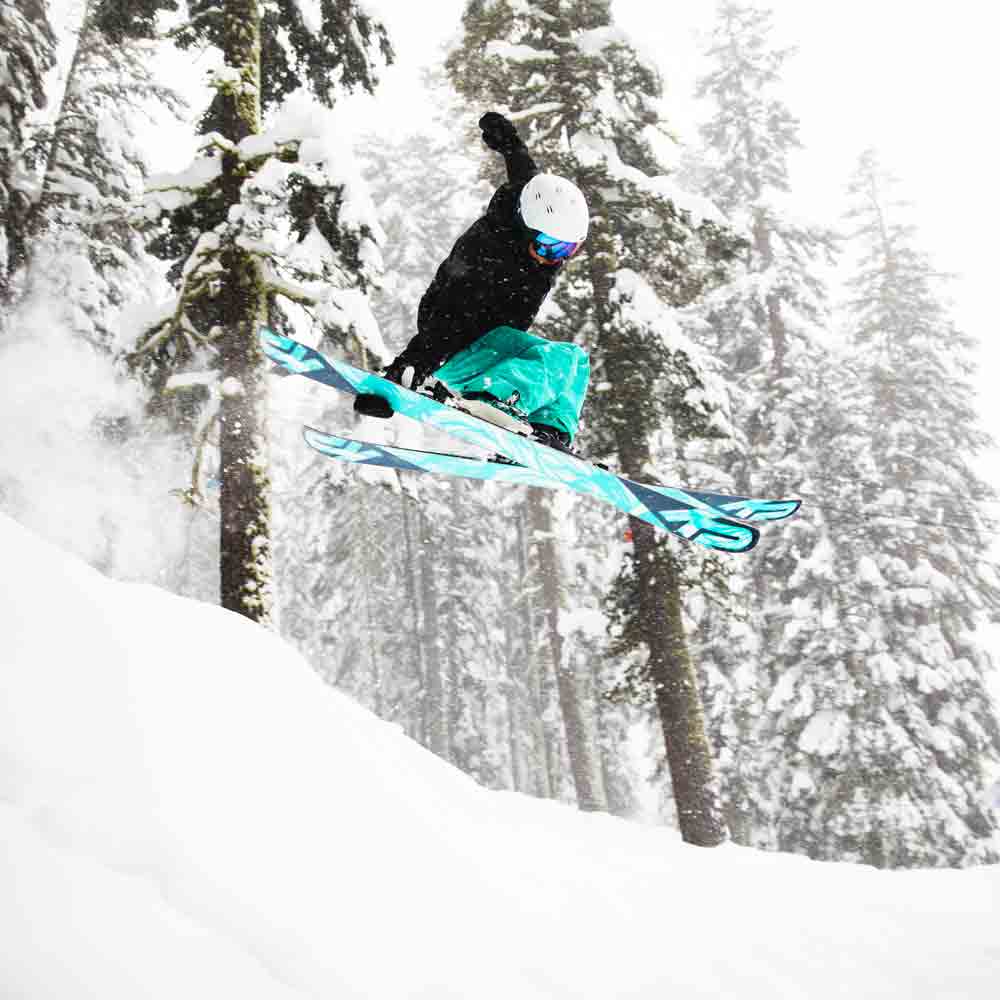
x=488 y=280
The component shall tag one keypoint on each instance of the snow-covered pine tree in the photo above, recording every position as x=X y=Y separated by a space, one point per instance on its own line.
x=892 y=761
x=585 y=102
x=260 y=215
x=83 y=254
x=27 y=52
x=77 y=267
x=769 y=326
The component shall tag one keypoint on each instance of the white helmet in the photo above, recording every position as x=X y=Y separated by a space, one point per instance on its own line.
x=556 y=207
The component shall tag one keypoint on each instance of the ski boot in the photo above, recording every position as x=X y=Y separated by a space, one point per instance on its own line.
x=553 y=437
x=549 y=436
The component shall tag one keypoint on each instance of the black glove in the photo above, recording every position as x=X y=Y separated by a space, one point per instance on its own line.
x=370 y=405
x=498 y=132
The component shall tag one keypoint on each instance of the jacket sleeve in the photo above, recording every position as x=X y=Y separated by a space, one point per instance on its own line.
x=502 y=211
x=520 y=165
x=428 y=349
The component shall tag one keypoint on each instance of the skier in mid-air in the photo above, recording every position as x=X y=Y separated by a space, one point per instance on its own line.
x=473 y=319
x=472 y=335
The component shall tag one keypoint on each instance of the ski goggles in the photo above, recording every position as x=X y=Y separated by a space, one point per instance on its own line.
x=549 y=248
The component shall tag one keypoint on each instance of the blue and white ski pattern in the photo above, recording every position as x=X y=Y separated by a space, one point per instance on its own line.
x=681 y=512
x=466 y=466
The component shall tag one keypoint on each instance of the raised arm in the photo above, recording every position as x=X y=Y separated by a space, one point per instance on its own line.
x=500 y=134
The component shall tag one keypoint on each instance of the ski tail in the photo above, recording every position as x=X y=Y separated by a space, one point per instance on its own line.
x=293 y=358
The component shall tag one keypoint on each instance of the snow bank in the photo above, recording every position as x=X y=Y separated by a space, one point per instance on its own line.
x=187 y=810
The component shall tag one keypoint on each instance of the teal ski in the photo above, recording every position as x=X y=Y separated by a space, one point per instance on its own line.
x=469 y=467
x=677 y=511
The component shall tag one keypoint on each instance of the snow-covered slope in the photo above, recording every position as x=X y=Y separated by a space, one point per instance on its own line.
x=186 y=810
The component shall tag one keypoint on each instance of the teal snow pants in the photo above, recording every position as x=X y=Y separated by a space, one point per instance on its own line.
x=550 y=376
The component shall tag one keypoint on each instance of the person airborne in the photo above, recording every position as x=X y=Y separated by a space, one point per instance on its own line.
x=473 y=319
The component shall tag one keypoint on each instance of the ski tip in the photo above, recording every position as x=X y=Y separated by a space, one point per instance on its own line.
x=721 y=533
x=778 y=510
x=757 y=511
x=781 y=509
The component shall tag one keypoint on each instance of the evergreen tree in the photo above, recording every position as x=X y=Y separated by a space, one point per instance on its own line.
x=586 y=104
x=840 y=736
x=27 y=51
x=83 y=252
x=890 y=762
x=769 y=327
x=77 y=267
x=259 y=215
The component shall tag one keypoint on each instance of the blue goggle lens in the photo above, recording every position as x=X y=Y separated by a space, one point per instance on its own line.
x=552 y=249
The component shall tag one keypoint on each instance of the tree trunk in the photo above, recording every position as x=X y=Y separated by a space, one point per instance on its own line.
x=678 y=700
x=771 y=318
x=435 y=709
x=589 y=790
x=245 y=504
x=532 y=666
x=672 y=674
x=660 y=625
x=415 y=719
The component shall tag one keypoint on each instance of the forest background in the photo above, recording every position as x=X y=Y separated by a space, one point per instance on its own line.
x=909 y=83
